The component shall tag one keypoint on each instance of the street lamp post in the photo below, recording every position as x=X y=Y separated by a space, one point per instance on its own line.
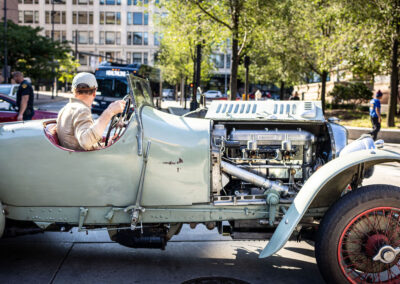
x=5 y=44
x=52 y=40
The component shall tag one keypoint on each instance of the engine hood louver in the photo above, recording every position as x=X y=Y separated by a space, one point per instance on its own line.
x=265 y=110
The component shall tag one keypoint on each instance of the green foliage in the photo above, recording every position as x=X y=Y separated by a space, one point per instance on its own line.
x=66 y=68
x=358 y=92
x=31 y=53
x=181 y=31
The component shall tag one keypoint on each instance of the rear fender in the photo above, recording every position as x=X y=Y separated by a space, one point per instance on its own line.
x=327 y=182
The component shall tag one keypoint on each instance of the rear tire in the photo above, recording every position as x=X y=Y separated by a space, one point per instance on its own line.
x=352 y=232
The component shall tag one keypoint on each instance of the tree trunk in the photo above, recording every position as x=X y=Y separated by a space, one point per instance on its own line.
x=235 y=49
x=282 y=91
x=324 y=77
x=394 y=81
x=234 y=69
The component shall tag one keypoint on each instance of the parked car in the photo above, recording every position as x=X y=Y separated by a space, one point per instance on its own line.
x=9 y=113
x=212 y=94
x=273 y=169
x=9 y=89
x=168 y=93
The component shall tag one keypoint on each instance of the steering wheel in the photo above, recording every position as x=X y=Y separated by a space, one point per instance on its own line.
x=118 y=121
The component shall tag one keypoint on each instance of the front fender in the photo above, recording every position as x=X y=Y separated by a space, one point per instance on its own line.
x=327 y=177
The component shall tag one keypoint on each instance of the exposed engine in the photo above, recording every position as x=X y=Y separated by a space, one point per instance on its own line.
x=248 y=163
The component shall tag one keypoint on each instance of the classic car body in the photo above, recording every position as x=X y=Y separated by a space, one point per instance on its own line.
x=271 y=168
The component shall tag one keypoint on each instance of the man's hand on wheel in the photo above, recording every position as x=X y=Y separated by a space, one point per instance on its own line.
x=116 y=107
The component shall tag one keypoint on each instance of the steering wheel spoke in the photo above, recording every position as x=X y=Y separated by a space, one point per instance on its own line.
x=119 y=121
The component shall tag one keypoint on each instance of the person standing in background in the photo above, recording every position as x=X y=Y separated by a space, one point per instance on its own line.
x=24 y=97
x=375 y=114
x=294 y=97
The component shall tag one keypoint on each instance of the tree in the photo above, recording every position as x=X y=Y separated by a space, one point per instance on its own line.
x=237 y=18
x=375 y=32
x=32 y=53
x=66 y=68
x=273 y=46
x=182 y=30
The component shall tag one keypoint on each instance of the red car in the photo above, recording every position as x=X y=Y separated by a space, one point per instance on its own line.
x=8 y=112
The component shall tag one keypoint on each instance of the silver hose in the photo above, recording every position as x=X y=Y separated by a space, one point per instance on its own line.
x=253 y=178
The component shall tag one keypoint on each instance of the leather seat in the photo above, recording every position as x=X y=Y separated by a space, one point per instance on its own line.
x=50 y=130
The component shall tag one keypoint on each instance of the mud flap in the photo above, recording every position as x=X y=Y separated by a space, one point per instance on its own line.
x=314 y=185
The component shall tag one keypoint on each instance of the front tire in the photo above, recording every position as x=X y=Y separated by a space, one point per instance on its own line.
x=352 y=233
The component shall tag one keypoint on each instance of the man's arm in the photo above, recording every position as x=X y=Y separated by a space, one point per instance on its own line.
x=23 y=106
x=378 y=112
x=89 y=134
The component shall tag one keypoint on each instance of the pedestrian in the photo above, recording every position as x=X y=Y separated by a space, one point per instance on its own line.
x=375 y=114
x=294 y=97
x=24 y=97
x=76 y=129
x=258 y=95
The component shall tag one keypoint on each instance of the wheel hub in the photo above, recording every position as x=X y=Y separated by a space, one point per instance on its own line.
x=387 y=254
x=375 y=242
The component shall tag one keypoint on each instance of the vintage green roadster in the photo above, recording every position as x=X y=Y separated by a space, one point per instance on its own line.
x=273 y=169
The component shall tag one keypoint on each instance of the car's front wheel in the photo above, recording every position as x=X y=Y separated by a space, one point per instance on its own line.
x=359 y=237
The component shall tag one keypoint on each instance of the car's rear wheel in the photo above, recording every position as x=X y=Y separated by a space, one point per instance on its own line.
x=359 y=238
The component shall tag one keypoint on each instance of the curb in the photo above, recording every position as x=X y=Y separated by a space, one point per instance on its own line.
x=388 y=135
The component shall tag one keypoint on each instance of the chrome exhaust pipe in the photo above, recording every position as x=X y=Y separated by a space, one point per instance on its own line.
x=253 y=178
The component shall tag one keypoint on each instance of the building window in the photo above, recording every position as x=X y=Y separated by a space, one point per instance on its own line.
x=58 y=35
x=84 y=37
x=110 y=38
x=82 y=18
x=138 y=2
x=110 y=55
x=110 y=2
x=28 y=1
x=129 y=19
x=82 y=2
x=145 y=58
x=110 y=18
x=59 y=17
x=55 y=2
x=156 y=39
x=83 y=59
x=136 y=57
x=137 y=18
x=28 y=17
x=137 y=38
x=228 y=61
x=218 y=60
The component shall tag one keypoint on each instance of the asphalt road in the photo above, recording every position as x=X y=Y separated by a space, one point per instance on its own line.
x=93 y=258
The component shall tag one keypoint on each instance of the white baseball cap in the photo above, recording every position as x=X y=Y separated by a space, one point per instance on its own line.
x=84 y=78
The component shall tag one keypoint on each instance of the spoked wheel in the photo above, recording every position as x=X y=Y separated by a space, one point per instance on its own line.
x=359 y=238
x=369 y=247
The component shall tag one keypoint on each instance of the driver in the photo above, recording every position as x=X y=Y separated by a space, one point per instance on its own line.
x=76 y=129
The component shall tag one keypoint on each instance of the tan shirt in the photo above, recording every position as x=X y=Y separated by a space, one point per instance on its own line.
x=76 y=129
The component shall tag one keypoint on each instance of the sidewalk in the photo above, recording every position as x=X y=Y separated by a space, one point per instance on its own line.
x=45 y=98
